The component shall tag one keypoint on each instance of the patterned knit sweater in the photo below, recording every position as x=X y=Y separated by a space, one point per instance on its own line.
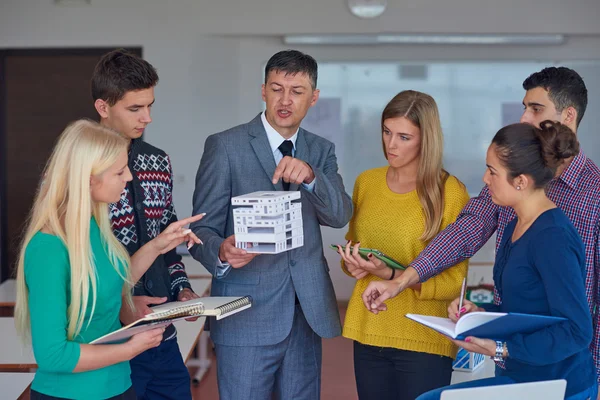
x=393 y=223
x=146 y=209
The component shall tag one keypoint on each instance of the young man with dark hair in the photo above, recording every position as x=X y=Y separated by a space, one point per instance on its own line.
x=564 y=89
x=274 y=347
x=123 y=92
x=557 y=94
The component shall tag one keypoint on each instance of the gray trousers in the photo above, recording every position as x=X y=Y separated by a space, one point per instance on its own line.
x=290 y=369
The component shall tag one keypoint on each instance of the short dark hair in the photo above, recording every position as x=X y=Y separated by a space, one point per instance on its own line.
x=119 y=72
x=293 y=62
x=537 y=152
x=565 y=88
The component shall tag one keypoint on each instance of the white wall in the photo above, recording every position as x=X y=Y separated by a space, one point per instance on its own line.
x=276 y=17
x=209 y=54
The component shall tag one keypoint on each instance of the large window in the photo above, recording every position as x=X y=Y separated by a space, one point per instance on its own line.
x=474 y=99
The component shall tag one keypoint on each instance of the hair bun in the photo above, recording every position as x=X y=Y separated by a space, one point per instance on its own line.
x=558 y=142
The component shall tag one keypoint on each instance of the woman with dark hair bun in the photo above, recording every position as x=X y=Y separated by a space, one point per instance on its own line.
x=539 y=153
x=539 y=267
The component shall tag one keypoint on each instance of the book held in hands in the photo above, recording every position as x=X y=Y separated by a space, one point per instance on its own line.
x=487 y=325
x=165 y=314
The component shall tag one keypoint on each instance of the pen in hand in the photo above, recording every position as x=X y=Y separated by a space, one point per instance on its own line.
x=462 y=296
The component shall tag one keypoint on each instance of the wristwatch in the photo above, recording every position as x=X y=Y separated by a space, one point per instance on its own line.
x=499 y=351
x=500 y=348
x=179 y=289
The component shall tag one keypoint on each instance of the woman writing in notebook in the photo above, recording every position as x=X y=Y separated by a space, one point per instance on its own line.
x=397 y=210
x=539 y=267
x=72 y=271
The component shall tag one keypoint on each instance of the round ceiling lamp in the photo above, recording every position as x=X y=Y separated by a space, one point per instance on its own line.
x=367 y=8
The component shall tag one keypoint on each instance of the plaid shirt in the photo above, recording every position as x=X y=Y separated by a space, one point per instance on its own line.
x=575 y=191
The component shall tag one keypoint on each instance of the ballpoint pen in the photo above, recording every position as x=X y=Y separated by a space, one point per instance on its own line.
x=462 y=296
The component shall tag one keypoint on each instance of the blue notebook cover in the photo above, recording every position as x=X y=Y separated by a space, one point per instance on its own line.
x=506 y=326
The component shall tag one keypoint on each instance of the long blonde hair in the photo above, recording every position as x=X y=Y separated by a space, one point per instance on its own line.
x=421 y=109
x=63 y=207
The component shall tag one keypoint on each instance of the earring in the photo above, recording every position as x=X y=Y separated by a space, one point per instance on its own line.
x=518 y=187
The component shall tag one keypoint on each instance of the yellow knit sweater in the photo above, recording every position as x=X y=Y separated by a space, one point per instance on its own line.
x=393 y=224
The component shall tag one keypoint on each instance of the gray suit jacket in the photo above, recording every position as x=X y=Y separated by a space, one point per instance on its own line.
x=240 y=161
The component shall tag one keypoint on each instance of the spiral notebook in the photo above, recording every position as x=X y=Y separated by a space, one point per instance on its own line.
x=165 y=314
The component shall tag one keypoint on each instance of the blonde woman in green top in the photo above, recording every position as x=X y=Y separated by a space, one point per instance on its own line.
x=73 y=273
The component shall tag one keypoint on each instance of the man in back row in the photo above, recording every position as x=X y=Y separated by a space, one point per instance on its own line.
x=557 y=94
x=123 y=91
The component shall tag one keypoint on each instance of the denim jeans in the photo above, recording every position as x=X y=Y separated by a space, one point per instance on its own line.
x=160 y=373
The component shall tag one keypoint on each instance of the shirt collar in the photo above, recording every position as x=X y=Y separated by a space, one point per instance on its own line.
x=570 y=175
x=275 y=139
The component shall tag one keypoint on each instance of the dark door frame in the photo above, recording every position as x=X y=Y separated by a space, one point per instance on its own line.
x=4 y=53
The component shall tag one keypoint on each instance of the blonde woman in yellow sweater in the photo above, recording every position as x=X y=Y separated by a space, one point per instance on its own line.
x=397 y=210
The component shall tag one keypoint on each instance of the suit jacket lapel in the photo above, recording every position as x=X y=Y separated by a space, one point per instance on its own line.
x=262 y=149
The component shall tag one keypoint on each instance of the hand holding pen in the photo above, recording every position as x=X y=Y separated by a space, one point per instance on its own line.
x=461 y=306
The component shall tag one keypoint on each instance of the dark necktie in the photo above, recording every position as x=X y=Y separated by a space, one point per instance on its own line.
x=286 y=149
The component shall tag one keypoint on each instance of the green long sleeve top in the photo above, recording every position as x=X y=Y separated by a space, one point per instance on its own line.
x=48 y=275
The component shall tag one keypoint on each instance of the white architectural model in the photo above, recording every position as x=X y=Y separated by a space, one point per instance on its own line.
x=268 y=222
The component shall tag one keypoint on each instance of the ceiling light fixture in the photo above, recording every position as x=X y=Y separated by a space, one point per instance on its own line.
x=479 y=39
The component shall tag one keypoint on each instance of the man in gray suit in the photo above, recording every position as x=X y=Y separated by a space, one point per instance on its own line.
x=275 y=346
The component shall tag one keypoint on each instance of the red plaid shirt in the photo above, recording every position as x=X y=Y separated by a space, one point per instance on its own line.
x=576 y=191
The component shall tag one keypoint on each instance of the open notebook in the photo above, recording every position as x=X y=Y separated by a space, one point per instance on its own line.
x=165 y=314
x=487 y=325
